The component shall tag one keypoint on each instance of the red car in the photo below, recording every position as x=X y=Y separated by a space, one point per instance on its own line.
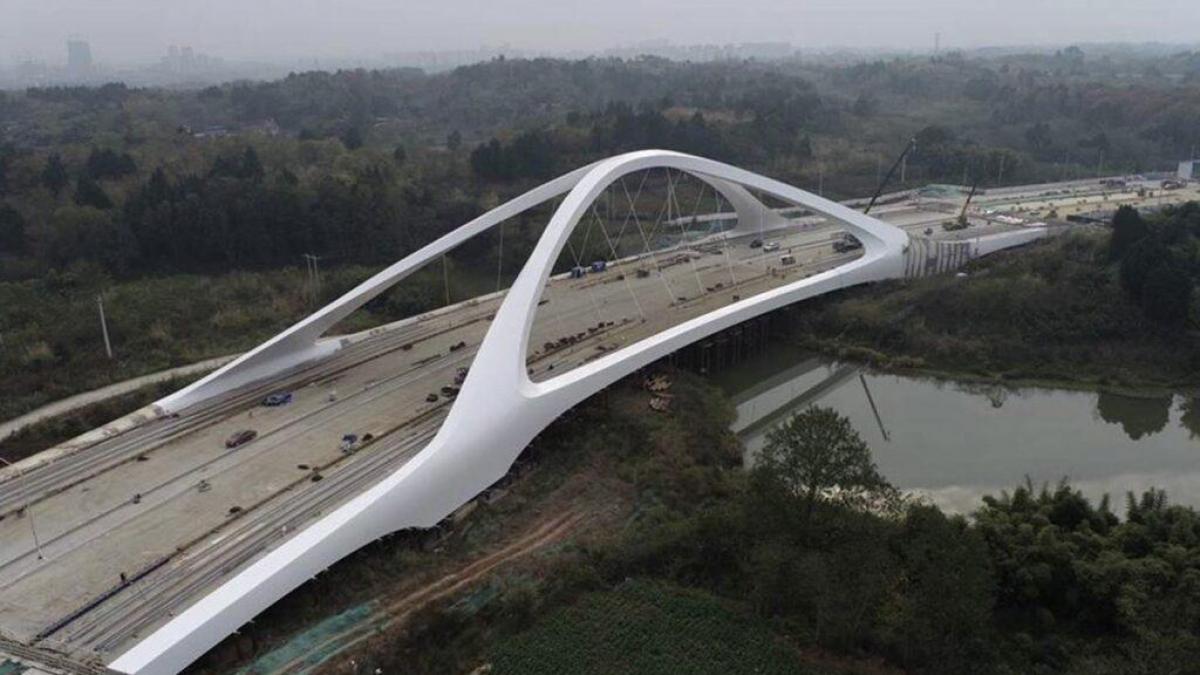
x=241 y=438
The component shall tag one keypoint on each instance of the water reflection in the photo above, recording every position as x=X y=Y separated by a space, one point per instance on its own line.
x=955 y=442
x=1189 y=408
x=1137 y=416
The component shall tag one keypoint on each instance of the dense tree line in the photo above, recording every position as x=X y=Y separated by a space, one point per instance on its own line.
x=240 y=215
x=1158 y=259
x=617 y=128
x=144 y=180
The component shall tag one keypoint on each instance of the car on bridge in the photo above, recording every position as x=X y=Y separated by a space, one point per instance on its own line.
x=241 y=438
x=278 y=399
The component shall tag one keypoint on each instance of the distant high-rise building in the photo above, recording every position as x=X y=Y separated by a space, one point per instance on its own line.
x=79 y=56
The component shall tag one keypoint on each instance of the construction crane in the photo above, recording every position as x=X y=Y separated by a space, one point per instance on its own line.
x=962 y=216
x=912 y=144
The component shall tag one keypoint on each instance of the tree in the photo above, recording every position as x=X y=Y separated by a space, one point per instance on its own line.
x=78 y=233
x=943 y=613
x=352 y=139
x=454 y=140
x=1137 y=263
x=817 y=454
x=89 y=193
x=5 y=156
x=399 y=155
x=12 y=230
x=1128 y=228
x=54 y=176
x=865 y=105
x=1138 y=415
x=244 y=167
x=107 y=163
x=934 y=135
x=1167 y=295
x=1038 y=136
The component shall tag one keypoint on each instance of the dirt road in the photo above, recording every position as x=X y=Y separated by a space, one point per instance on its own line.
x=391 y=612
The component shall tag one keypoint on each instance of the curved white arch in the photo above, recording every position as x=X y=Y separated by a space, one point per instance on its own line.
x=302 y=342
x=499 y=409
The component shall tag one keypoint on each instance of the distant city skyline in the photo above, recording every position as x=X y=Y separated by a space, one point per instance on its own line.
x=128 y=32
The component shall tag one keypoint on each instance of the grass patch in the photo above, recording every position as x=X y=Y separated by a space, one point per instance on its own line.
x=50 y=432
x=648 y=627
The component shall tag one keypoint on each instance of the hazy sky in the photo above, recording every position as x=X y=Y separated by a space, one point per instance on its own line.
x=140 y=30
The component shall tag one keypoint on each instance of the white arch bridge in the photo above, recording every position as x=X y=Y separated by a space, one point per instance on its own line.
x=500 y=408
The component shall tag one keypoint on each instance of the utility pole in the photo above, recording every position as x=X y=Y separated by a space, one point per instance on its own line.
x=104 y=325
x=314 y=278
x=317 y=276
x=446 y=278
x=821 y=179
x=37 y=544
x=308 y=279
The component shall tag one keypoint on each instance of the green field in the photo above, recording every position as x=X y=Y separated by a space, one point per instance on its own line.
x=648 y=627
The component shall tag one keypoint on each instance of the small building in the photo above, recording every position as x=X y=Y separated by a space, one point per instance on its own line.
x=1187 y=169
x=215 y=131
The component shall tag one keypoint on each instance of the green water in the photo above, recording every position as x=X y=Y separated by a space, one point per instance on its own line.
x=955 y=442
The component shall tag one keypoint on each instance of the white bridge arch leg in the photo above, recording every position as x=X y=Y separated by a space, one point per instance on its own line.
x=499 y=409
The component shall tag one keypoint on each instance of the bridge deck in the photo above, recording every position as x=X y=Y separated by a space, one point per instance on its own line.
x=171 y=509
x=139 y=526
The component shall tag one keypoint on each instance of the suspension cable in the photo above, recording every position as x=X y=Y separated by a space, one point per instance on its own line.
x=500 y=258
x=671 y=193
x=725 y=239
x=625 y=277
x=637 y=195
x=646 y=244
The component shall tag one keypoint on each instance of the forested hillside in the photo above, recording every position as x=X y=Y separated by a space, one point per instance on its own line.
x=363 y=166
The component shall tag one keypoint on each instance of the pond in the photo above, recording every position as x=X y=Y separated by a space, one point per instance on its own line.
x=955 y=442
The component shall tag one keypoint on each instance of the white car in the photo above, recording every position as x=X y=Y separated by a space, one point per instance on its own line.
x=771 y=246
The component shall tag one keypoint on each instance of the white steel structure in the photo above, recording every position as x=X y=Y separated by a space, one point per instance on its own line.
x=499 y=409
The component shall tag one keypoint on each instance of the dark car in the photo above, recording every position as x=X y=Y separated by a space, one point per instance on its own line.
x=848 y=242
x=278 y=398
x=241 y=438
x=756 y=243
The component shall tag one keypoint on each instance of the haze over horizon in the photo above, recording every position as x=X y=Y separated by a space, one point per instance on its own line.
x=133 y=31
